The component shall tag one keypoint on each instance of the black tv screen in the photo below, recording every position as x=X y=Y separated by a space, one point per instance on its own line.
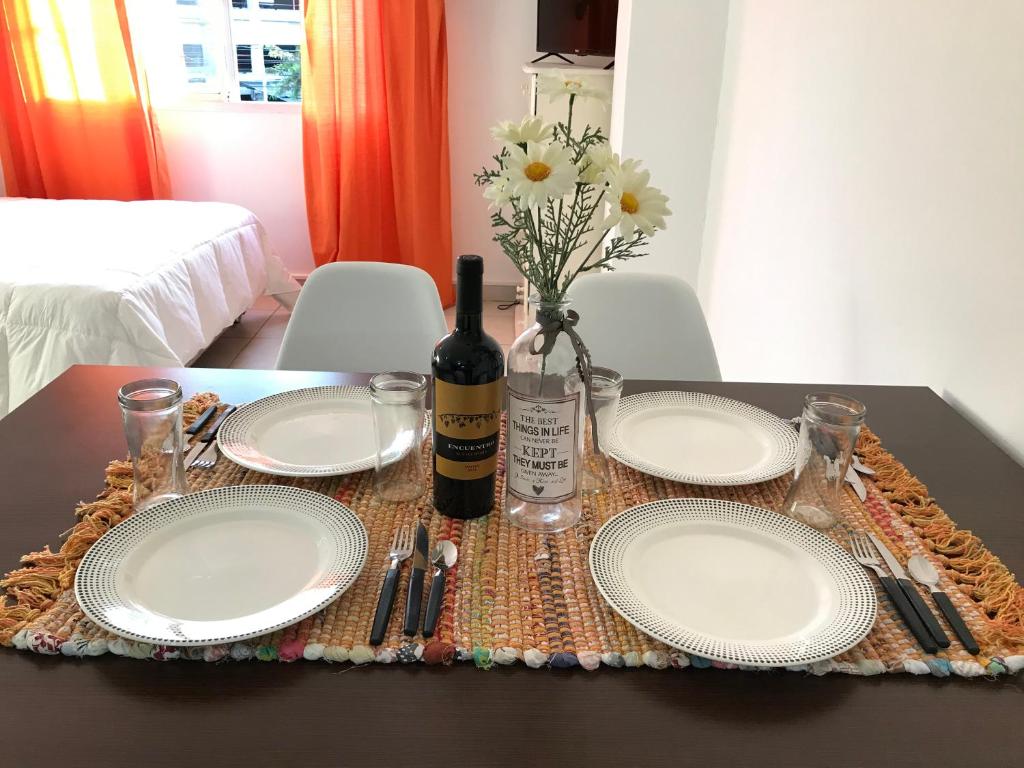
x=583 y=27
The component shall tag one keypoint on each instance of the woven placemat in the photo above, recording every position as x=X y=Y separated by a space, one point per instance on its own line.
x=515 y=596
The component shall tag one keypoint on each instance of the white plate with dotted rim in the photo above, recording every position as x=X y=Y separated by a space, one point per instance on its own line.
x=221 y=565
x=732 y=582
x=314 y=432
x=694 y=437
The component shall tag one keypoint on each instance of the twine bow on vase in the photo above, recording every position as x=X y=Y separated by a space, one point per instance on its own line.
x=549 y=333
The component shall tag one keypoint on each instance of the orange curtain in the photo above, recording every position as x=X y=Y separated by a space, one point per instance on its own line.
x=74 y=122
x=375 y=134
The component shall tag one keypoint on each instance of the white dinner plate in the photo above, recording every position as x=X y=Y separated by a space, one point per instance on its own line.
x=312 y=432
x=693 y=437
x=221 y=565
x=732 y=582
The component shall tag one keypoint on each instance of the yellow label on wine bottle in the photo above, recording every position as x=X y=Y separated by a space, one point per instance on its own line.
x=467 y=423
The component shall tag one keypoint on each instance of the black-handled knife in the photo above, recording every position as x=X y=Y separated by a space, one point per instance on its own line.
x=913 y=596
x=909 y=615
x=198 y=424
x=207 y=437
x=419 y=567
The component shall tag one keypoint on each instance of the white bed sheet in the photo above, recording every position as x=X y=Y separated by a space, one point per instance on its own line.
x=137 y=283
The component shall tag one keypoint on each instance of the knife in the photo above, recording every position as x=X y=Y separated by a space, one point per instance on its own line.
x=419 y=567
x=858 y=485
x=198 y=424
x=204 y=442
x=920 y=608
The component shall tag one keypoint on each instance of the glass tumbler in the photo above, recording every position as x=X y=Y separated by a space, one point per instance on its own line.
x=607 y=389
x=397 y=402
x=151 y=409
x=828 y=433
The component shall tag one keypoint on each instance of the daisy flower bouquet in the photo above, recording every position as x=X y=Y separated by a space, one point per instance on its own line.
x=550 y=188
x=562 y=204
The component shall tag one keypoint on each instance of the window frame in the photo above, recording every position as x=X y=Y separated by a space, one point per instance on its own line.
x=230 y=96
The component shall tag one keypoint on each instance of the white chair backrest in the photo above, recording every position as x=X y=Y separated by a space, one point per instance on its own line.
x=364 y=317
x=645 y=326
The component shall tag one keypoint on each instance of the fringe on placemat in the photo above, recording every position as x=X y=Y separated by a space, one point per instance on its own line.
x=979 y=574
x=44 y=575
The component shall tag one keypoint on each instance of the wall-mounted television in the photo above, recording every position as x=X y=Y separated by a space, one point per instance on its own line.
x=582 y=27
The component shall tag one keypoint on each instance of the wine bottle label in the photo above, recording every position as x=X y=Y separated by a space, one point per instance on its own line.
x=542 y=444
x=467 y=421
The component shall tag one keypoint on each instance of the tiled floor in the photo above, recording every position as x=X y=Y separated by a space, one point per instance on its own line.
x=254 y=341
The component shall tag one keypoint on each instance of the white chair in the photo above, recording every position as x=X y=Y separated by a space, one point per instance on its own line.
x=645 y=326
x=364 y=317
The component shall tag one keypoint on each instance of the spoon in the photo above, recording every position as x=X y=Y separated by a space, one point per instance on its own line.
x=443 y=557
x=921 y=568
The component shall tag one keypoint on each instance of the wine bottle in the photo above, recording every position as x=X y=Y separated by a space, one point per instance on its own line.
x=469 y=389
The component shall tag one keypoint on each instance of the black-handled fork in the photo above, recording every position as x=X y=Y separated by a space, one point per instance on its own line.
x=401 y=549
x=209 y=457
x=864 y=553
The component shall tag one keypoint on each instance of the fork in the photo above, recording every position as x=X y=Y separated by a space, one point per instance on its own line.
x=864 y=553
x=208 y=457
x=401 y=549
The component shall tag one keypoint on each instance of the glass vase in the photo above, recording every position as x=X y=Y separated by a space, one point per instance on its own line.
x=543 y=446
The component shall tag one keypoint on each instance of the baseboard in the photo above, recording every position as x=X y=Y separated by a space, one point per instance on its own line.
x=499 y=292
x=300 y=277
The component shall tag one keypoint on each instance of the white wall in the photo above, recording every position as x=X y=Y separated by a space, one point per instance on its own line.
x=248 y=154
x=488 y=43
x=866 y=211
x=665 y=107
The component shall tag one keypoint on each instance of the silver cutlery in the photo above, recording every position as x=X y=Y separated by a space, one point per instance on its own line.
x=196 y=426
x=921 y=568
x=858 y=485
x=927 y=617
x=202 y=448
x=860 y=466
x=401 y=549
x=208 y=458
x=414 y=599
x=864 y=553
x=443 y=557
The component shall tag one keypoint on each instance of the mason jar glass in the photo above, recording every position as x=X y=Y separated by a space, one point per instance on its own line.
x=152 y=413
x=606 y=387
x=543 y=449
x=829 y=428
x=397 y=402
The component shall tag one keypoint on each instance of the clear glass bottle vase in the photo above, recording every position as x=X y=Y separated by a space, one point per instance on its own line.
x=543 y=443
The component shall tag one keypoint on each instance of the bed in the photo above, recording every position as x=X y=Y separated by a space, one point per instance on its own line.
x=137 y=283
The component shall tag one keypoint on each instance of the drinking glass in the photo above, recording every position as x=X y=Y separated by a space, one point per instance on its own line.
x=151 y=409
x=828 y=433
x=607 y=389
x=397 y=403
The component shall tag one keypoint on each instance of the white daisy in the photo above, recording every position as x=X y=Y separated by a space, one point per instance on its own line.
x=598 y=159
x=541 y=172
x=499 y=192
x=562 y=84
x=633 y=204
x=529 y=129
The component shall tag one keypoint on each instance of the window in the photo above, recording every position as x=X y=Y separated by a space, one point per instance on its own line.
x=243 y=57
x=193 y=55
x=242 y=50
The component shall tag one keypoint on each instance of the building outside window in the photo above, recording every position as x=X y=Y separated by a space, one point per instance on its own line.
x=242 y=50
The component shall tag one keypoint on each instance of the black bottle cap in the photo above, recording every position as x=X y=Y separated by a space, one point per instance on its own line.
x=470 y=265
x=469 y=285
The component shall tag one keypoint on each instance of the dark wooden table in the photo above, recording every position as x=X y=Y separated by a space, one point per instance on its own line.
x=113 y=711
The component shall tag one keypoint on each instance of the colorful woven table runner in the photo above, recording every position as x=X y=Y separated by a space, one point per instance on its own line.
x=514 y=596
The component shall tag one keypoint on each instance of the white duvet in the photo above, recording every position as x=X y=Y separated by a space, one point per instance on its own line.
x=139 y=283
